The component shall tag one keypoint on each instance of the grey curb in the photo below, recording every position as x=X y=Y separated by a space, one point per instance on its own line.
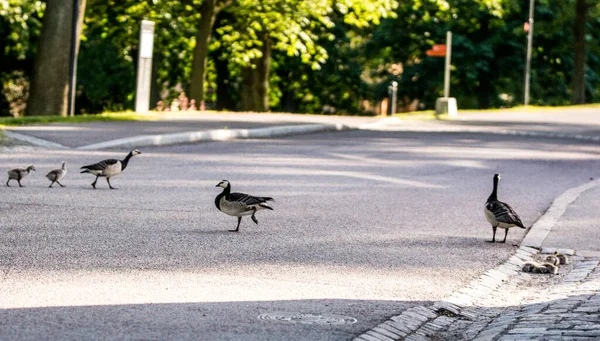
x=224 y=134
x=417 y=322
x=32 y=140
x=213 y=135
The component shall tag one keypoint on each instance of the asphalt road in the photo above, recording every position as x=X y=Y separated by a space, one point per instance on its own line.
x=365 y=224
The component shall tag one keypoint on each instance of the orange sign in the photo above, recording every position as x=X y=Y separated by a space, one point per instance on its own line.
x=438 y=50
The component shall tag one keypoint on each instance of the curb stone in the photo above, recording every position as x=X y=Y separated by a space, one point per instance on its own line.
x=418 y=322
x=390 y=123
x=214 y=135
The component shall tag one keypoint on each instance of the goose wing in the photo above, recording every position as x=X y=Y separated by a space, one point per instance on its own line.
x=246 y=198
x=101 y=165
x=504 y=213
x=53 y=175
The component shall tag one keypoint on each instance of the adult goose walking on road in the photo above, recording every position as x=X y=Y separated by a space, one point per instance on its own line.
x=57 y=174
x=239 y=204
x=18 y=174
x=109 y=168
x=500 y=214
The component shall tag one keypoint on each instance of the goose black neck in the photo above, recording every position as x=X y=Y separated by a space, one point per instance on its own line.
x=494 y=195
x=225 y=192
x=125 y=161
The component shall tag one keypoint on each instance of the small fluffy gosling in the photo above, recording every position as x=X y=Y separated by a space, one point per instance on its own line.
x=544 y=268
x=18 y=174
x=57 y=174
x=564 y=259
x=552 y=259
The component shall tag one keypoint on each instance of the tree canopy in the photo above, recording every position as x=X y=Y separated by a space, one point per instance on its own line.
x=315 y=56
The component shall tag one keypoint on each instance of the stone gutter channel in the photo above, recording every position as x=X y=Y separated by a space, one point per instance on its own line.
x=416 y=323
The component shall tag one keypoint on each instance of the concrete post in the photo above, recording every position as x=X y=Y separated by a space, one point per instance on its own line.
x=393 y=90
x=144 y=72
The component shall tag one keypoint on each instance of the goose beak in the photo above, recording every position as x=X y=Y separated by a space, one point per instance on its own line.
x=217 y=185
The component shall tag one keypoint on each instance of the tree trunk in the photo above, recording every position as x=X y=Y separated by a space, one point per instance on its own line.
x=248 y=89
x=484 y=88
x=50 y=81
x=255 y=81
x=208 y=12
x=263 y=67
x=581 y=9
x=224 y=101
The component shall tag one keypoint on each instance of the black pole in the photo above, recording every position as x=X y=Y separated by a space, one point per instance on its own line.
x=73 y=60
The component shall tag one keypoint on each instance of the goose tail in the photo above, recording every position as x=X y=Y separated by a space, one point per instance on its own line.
x=85 y=171
x=263 y=205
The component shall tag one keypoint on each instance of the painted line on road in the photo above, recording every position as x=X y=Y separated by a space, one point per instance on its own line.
x=33 y=140
x=213 y=135
x=416 y=322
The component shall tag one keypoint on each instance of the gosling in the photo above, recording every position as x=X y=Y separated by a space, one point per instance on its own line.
x=544 y=268
x=18 y=174
x=57 y=174
x=564 y=259
x=239 y=204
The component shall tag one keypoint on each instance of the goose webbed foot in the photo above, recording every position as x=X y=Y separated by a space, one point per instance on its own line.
x=94 y=183
x=7 y=185
x=61 y=185
x=237 y=229
x=19 y=181
x=51 y=184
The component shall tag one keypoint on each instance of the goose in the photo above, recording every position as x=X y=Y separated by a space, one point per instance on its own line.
x=239 y=204
x=109 y=168
x=500 y=214
x=18 y=174
x=57 y=174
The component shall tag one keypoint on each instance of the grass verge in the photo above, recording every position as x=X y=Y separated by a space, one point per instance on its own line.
x=112 y=116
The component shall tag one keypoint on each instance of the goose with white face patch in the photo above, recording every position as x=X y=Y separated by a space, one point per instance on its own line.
x=18 y=174
x=109 y=168
x=239 y=204
x=57 y=174
x=500 y=214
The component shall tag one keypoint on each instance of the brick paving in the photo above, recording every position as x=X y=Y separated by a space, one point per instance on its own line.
x=536 y=307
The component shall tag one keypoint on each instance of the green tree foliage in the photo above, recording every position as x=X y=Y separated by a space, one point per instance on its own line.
x=109 y=52
x=314 y=55
x=20 y=25
x=298 y=30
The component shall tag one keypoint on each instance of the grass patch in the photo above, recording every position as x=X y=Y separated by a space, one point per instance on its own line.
x=112 y=116
x=430 y=114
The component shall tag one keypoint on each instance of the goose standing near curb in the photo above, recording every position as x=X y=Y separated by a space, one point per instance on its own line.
x=109 y=168
x=239 y=204
x=57 y=174
x=18 y=174
x=500 y=214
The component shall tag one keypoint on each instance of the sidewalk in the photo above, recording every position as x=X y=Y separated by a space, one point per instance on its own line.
x=507 y=304
x=173 y=128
